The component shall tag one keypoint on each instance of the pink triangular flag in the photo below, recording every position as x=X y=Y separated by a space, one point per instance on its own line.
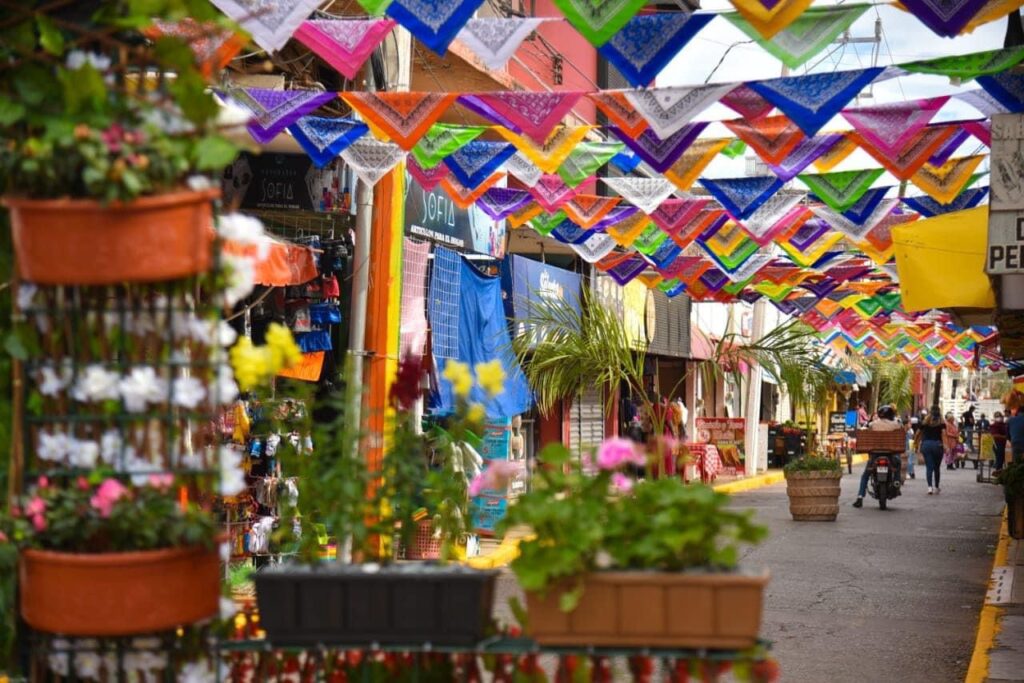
x=551 y=192
x=535 y=113
x=891 y=126
x=428 y=179
x=345 y=44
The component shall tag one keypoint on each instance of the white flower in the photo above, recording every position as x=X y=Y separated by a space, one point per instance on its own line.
x=26 y=295
x=238 y=227
x=53 y=447
x=83 y=454
x=225 y=552
x=232 y=476
x=87 y=665
x=198 y=183
x=51 y=383
x=224 y=389
x=197 y=672
x=240 y=280
x=228 y=608
x=188 y=392
x=110 y=446
x=144 y=660
x=96 y=384
x=141 y=387
x=78 y=58
x=226 y=335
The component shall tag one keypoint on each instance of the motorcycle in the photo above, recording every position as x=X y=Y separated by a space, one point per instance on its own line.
x=885 y=479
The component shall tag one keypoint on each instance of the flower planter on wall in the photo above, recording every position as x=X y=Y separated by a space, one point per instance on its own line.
x=813 y=496
x=654 y=609
x=409 y=604
x=116 y=594
x=84 y=242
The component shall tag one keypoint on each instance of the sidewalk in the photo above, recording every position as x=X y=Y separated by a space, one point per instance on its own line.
x=999 y=648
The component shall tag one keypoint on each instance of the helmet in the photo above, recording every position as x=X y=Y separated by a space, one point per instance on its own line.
x=887 y=413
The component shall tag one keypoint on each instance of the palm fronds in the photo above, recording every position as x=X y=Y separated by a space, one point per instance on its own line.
x=892 y=382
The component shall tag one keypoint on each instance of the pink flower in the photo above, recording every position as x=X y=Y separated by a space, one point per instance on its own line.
x=39 y=522
x=43 y=482
x=83 y=484
x=616 y=452
x=112 y=138
x=495 y=476
x=36 y=512
x=622 y=483
x=109 y=492
x=161 y=481
x=3 y=537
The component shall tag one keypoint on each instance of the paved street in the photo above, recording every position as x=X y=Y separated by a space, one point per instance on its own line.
x=878 y=596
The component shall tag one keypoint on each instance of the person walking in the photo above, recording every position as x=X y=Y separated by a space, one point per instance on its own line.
x=931 y=433
x=999 y=436
x=968 y=421
x=950 y=441
x=915 y=425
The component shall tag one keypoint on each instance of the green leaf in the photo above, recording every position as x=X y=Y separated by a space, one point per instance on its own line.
x=214 y=152
x=518 y=610
x=10 y=111
x=570 y=599
x=15 y=346
x=50 y=36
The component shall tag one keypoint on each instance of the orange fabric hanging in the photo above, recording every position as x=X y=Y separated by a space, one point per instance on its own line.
x=694 y=160
x=772 y=137
x=914 y=154
x=403 y=116
x=839 y=151
x=587 y=209
x=766 y=21
x=556 y=149
x=944 y=183
x=464 y=197
x=620 y=111
x=525 y=214
x=284 y=264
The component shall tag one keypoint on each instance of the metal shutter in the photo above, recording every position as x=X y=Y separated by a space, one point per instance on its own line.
x=663 y=314
x=679 y=327
x=586 y=422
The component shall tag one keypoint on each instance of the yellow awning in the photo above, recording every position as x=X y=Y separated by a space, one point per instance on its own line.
x=941 y=261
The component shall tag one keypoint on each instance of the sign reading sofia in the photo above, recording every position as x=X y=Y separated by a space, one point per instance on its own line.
x=527 y=283
x=432 y=215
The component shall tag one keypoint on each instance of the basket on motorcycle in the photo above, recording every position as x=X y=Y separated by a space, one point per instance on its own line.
x=893 y=441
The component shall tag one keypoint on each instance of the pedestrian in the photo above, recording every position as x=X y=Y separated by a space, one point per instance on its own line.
x=862 y=415
x=930 y=437
x=950 y=442
x=1015 y=432
x=982 y=426
x=915 y=425
x=967 y=420
x=999 y=434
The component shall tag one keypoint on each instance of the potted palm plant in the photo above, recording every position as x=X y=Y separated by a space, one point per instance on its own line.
x=100 y=143
x=812 y=485
x=365 y=597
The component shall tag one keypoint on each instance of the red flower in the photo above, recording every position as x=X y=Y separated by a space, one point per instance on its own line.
x=406 y=390
x=113 y=137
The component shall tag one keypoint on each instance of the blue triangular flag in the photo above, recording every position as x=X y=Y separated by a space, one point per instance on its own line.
x=741 y=197
x=626 y=161
x=324 y=139
x=665 y=254
x=1007 y=88
x=434 y=22
x=868 y=202
x=568 y=232
x=811 y=101
x=928 y=207
x=648 y=42
x=475 y=161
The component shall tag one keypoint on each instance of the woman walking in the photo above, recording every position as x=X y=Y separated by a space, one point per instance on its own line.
x=999 y=434
x=931 y=434
x=950 y=441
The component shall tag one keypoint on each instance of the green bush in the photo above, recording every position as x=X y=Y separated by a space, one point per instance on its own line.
x=1012 y=479
x=813 y=464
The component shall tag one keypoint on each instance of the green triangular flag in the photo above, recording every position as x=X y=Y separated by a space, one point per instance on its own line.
x=808 y=35
x=668 y=285
x=584 y=161
x=841 y=190
x=974 y=179
x=599 y=20
x=735 y=149
x=649 y=240
x=967 y=67
x=869 y=306
x=441 y=140
x=889 y=302
x=375 y=8
x=546 y=222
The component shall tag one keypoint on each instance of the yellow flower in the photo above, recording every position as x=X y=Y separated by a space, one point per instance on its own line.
x=476 y=414
x=458 y=374
x=250 y=363
x=286 y=352
x=491 y=377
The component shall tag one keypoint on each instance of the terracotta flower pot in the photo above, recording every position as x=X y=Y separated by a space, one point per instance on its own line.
x=654 y=609
x=813 y=496
x=115 y=594
x=84 y=242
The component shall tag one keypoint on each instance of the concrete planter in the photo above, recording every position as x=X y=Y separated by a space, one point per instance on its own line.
x=654 y=609
x=813 y=496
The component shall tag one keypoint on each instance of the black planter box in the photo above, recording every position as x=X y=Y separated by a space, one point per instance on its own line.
x=345 y=604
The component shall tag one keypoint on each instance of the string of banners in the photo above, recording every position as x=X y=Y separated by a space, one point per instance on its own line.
x=635 y=40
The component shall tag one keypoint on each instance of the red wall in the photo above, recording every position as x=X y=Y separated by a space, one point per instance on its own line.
x=575 y=50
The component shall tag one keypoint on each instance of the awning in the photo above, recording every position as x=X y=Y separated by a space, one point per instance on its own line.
x=941 y=261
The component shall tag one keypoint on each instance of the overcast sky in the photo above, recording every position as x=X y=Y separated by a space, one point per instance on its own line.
x=904 y=39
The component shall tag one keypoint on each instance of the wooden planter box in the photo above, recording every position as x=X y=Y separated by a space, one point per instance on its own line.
x=118 y=594
x=654 y=609
x=344 y=604
x=84 y=242
x=813 y=496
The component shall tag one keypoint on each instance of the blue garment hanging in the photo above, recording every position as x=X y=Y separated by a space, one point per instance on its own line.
x=325 y=139
x=483 y=337
x=626 y=161
x=811 y=101
x=865 y=206
x=475 y=161
x=435 y=23
x=741 y=197
x=648 y=42
x=928 y=207
x=1007 y=88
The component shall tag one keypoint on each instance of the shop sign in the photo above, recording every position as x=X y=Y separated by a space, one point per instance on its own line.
x=434 y=216
x=286 y=182
x=1006 y=207
x=536 y=283
x=634 y=312
x=837 y=422
x=721 y=431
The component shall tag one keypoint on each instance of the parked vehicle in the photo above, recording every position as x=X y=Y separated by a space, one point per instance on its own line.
x=886 y=477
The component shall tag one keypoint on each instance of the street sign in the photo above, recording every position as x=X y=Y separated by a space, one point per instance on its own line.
x=1005 y=243
x=1007 y=178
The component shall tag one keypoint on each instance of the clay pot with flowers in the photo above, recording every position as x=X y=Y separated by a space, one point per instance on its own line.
x=420 y=486
x=101 y=558
x=99 y=173
x=613 y=561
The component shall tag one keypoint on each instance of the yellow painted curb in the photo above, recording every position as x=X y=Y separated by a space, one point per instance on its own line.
x=750 y=483
x=988 y=622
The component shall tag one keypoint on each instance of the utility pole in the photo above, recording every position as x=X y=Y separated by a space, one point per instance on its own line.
x=753 y=417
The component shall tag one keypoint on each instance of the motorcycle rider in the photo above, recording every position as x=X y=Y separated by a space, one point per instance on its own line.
x=885 y=422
